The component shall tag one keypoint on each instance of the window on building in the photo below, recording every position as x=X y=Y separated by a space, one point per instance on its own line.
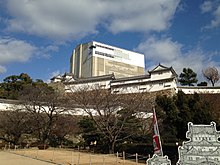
x=116 y=91
x=105 y=47
x=167 y=85
x=142 y=88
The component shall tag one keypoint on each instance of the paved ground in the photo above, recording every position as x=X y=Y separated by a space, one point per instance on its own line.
x=7 y=158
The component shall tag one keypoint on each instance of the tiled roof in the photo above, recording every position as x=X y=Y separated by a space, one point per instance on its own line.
x=131 y=78
x=142 y=83
x=160 y=68
x=92 y=79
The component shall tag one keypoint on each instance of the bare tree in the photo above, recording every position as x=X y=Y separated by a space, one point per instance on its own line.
x=65 y=127
x=211 y=74
x=46 y=105
x=111 y=112
x=14 y=123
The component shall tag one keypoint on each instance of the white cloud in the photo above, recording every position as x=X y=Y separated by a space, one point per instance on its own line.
x=12 y=50
x=206 y=6
x=2 y=69
x=212 y=7
x=44 y=52
x=194 y=59
x=216 y=21
x=141 y=15
x=69 y=19
x=160 y=50
x=55 y=73
x=17 y=51
x=170 y=53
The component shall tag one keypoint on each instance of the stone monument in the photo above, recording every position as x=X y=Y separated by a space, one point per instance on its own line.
x=203 y=147
x=158 y=160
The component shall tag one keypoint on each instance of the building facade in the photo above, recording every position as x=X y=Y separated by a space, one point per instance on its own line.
x=97 y=59
x=158 y=79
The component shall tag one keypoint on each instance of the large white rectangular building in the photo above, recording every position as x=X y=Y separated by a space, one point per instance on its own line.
x=97 y=59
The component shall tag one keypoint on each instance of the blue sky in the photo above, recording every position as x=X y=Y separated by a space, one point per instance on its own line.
x=37 y=36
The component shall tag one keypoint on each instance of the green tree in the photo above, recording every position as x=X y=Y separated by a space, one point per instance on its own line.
x=184 y=114
x=188 y=77
x=202 y=83
x=181 y=109
x=12 y=85
x=168 y=111
x=200 y=109
x=90 y=132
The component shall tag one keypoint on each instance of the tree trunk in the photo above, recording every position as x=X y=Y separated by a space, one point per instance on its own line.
x=112 y=147
x=213 y=84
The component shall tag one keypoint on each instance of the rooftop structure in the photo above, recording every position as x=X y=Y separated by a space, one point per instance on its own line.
x=97 y=59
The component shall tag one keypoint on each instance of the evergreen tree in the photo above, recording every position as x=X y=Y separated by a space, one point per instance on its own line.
x=202 y=83
x=188 y=77
x=13 y=84
x=181 y=109
x=168 y=111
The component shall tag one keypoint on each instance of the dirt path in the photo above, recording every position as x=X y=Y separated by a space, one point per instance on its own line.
x=7 y=158
x=67 y=157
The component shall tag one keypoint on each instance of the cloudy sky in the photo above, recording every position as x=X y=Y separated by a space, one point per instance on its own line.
x=37 y=36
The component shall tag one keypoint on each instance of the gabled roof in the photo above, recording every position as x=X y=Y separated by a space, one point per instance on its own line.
x=57 y=77
x=192 y=151
x=68 y=74
x=160 y=68
x=63 y=77
x=204 y=143
x=216 y=152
